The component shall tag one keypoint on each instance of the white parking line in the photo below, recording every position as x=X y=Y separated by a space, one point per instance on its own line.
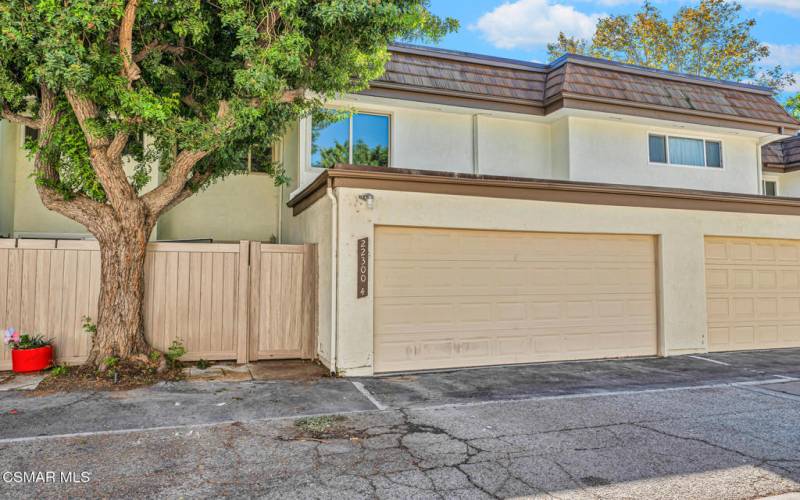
x=605 y=394
x=372 y=399
x=710 y=360
x=378 y=405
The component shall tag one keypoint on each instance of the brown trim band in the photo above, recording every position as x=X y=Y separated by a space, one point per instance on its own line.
x=434 y=96
x=463 y=100
x=587 y=103
x=780 y=169
x=420 y=181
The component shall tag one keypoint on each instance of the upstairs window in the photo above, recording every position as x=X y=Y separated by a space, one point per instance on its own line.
x=359 y=139
x=685 y=151
x=770 y=188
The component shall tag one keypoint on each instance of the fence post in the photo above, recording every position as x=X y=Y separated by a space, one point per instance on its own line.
x=254 y=300
x=243 y=305
x=310 y=290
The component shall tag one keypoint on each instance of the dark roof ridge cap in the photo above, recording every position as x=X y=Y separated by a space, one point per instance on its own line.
x=502 y=62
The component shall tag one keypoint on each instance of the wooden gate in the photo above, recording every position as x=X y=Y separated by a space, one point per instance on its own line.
x=241 y=301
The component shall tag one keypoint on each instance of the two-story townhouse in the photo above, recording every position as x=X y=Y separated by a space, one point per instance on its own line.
x=475 y=210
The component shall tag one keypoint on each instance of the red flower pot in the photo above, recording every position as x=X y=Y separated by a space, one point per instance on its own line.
x=31 y=360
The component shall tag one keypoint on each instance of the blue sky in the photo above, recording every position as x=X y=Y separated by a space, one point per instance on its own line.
x=520 y=29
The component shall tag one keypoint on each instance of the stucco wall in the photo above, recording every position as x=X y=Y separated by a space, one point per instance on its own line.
x=682 y=300
x=239 y=207
x=314 y=226
x=617 y=153
x=513 y=148
x=559 y=149
x=8 y=141
x=788 y=184
x=432 y=140
x=30 y=215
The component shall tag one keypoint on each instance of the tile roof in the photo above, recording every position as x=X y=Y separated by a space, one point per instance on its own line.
x=782 y=155
x=541 y=88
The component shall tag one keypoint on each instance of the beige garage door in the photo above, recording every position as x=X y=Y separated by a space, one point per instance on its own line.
x=448 y=298
x=753 y=293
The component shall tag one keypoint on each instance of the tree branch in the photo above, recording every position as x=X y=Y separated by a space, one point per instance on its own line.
x=155 y=45
x=195 y=181
x=108 y=168
x=129 y=68
x=18 y=118
x=164 y=195
x=117 y=145
x=79 y=208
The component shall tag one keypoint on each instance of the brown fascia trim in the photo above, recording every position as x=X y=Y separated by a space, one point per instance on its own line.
x=421 y=181
x=450 y=98
x=573 y=101
x=577 y=101
x=780 y=168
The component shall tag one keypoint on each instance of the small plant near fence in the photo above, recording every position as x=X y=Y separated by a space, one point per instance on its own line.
x=59 y=370
x=175 y=351
x=16 y=340
x=29 y=353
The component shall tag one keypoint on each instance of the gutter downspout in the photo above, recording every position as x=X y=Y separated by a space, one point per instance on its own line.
x=334 y=275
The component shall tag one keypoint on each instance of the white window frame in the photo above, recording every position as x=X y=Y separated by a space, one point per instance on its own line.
x=765 y=180
x=705 y=140
x=357 y=111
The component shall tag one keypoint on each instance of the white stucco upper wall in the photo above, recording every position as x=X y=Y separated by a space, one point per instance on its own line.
x=567 y=145
x=617 y=152
x=513 y=147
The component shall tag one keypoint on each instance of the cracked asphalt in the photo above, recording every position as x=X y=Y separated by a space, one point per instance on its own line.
x=734 y=439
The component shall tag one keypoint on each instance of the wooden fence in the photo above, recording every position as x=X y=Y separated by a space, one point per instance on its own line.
x=244 y=301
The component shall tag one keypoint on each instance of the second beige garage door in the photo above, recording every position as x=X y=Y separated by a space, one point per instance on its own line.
x=753 y=293
x=453 y=298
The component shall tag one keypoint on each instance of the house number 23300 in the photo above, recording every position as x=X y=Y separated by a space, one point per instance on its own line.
x=363 y=268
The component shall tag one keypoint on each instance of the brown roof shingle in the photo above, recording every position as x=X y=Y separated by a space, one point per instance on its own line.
x=536 y=88
x=782 y=156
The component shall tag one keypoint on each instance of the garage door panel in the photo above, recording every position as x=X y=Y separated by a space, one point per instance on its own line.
x=752 y=293
x=399 y=315
x=403 y=280
x=493 y=297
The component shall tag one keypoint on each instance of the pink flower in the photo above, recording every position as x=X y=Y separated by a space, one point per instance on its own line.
x=8 y=336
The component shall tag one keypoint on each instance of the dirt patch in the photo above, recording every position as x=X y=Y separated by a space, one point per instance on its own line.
x=324 y=428
x=288 y=370
x=123 y=376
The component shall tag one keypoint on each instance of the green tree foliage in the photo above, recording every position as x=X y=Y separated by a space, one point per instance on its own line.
x=793 y=106
x=330 y=156
x=709 y=40
x=377 y=156
x=202 y=80
x=201 y=76
x=364 y=155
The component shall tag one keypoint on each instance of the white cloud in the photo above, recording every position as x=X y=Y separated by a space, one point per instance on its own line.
x=787 y=56
x=531 y=23
x=788 y=6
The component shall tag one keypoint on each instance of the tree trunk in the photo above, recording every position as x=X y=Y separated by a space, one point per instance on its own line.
x=120 y=313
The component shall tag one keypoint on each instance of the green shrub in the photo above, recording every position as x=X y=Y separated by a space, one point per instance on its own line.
x=175 y=351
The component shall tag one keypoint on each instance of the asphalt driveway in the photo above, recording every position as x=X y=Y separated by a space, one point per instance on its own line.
x=583 y=377
x=718 y=426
